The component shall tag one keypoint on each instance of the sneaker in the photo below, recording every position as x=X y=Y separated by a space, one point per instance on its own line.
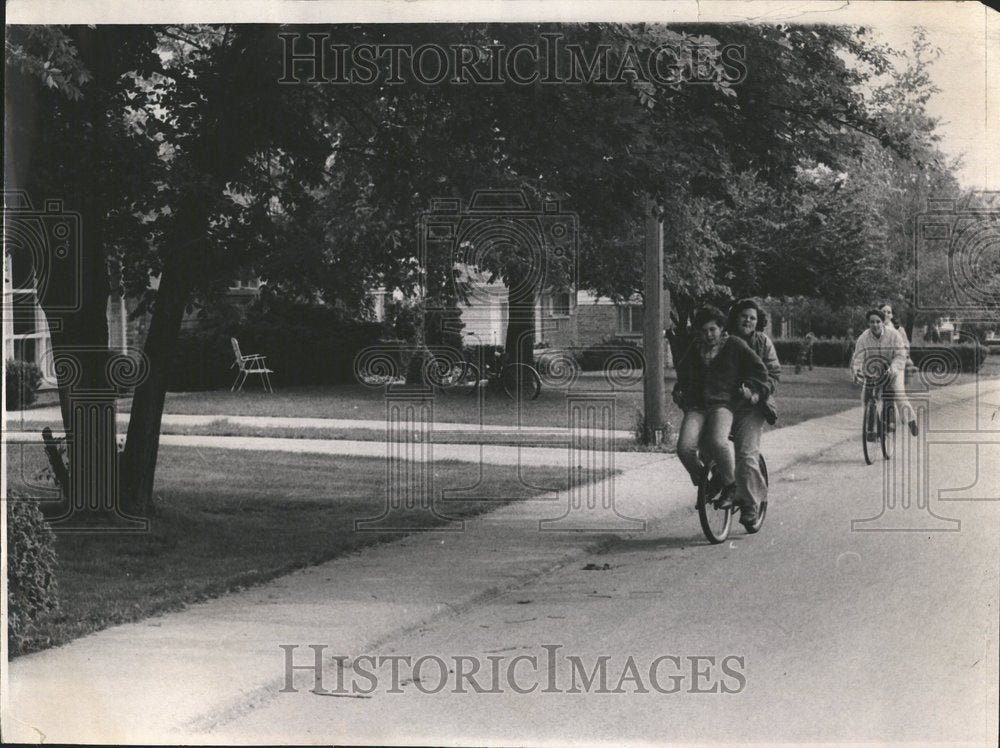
x=914 y=429
x=726 y=501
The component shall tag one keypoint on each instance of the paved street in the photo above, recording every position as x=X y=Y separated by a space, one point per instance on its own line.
x=846 y=636
x=821 y=633
x=329 y=373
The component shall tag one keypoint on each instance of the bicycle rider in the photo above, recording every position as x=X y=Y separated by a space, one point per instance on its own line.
x=747 y=321
x=711 y=375
x=880 y=348
x=892 y=324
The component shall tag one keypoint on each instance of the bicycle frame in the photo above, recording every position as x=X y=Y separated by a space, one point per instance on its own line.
x=875 y=417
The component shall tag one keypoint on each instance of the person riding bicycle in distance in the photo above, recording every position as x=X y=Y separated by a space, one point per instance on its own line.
x=747 y=322
x=715 y=375
x=880 y=349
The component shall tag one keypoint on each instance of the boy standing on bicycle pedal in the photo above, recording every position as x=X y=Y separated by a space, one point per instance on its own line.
x=880 y=349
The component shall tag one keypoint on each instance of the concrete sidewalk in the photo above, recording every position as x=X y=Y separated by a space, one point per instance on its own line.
x=39 y=417
x=486 y=454
x=170 y=678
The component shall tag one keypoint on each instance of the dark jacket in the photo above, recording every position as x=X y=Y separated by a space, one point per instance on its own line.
x=701 y=386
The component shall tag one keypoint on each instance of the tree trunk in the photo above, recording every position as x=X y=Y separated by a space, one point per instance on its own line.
x=87 y=393
x=143 y=441
x=520 y=341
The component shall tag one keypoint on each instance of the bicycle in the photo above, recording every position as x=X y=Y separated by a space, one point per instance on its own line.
x=716 y=522
x=516 y=379
x=878 y=419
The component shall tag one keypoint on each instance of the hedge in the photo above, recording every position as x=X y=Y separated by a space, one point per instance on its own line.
x=596 y=357
x=824 y=352
x=299 y=351
x=32 y=594
x=23 y=380
x=969 y=356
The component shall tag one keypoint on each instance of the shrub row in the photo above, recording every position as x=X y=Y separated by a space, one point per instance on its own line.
x=23 y=380
x=824 y=352
x=297 y=352
x=622 y=350
x=969 y=356
x=303 y=352
x=32 y=595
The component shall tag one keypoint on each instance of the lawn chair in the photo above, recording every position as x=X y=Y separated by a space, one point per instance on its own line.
x=253 y=363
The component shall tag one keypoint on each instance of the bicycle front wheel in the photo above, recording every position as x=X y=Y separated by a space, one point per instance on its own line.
x=715 y=522
x=867 y=427
x=521 y=381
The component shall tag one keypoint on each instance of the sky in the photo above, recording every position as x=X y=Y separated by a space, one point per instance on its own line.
x=968 y=76
x=968 y=33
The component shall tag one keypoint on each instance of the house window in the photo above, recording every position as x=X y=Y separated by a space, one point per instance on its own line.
x=26 y=330
x=559 y=305
x=245 y=283
x=630 y=319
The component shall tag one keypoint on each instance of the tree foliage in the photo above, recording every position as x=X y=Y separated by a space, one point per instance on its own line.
x=193 y=163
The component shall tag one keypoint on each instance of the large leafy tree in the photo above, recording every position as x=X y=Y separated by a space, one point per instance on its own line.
x=841 y=229
x=70 y=137
x=247 y=158
x=186 y=161
x=211 y=165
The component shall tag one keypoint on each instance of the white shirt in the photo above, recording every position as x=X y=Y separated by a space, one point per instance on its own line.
x=888 y=348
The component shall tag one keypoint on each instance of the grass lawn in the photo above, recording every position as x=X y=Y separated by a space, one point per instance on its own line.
x=811 y=394
x=226 y=519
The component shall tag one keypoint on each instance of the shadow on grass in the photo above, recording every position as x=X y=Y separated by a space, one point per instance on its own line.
x=226 y=520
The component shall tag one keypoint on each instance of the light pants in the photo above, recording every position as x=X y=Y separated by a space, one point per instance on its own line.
x=895 y=391
x=709 y=431
x=748 y=424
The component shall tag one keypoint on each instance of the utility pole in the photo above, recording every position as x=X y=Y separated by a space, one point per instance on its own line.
x=654 y=399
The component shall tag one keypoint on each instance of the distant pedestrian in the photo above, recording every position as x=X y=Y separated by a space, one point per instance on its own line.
x=849 y=347
x=806 y=353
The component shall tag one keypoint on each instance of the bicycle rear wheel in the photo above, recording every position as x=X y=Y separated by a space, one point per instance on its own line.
x=521 y=381
x=888 y=435
x=762 y=507
x=869 y=419
x=715 y=522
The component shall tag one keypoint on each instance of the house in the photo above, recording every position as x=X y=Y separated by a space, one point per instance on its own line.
x=563 y=319
x=26 y=332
